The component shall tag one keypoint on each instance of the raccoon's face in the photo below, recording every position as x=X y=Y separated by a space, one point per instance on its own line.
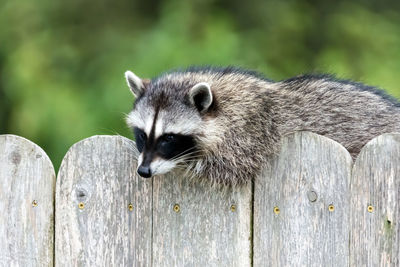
x=165 y=123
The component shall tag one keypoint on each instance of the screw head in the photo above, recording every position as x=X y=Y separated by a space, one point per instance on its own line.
x=177 y=208
x=370 y=208
x=130 y=207
x=233 y=208
x=331 y=207
x=277 y=210
x=34 y=203
x=81 y=205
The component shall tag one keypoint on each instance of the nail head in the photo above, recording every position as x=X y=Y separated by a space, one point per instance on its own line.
x=233 y=208
x=370 y=208
x=177 y=208
x=277 y=210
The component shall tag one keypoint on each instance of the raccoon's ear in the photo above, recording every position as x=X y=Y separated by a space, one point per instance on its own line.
x=136 y=84
x=201 y=96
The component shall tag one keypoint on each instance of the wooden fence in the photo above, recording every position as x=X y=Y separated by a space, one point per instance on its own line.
x=310 y=207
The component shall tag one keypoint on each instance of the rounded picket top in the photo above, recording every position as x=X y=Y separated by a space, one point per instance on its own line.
x=103 y=209
x=375 y=203
x=27 y=185
x=301 y=204
x=386 y=145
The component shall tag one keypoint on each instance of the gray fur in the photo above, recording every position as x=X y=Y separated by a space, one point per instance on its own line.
x=249 y=114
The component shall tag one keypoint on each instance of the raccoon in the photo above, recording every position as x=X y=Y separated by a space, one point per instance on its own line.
x=226 y=123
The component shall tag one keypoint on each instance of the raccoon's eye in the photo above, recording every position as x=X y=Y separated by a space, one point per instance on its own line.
x=140 y=137
x=168 y=138
x=177 y=146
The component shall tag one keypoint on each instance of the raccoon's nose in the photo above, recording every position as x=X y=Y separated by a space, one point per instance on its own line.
x=144 y=171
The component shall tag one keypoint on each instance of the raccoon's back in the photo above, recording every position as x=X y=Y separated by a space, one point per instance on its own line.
x=350 y=113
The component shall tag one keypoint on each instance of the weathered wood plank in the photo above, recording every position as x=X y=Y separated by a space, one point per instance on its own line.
x=94 y=226
x=206 y=230
x=310 y=174
x=27 y=185
x=375 y=204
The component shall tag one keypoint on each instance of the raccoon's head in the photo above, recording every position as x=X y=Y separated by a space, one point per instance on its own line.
x=166 y=119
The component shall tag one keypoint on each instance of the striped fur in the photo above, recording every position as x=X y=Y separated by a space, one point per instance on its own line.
x=249 y=114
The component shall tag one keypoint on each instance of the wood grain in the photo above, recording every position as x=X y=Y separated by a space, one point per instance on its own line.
x=306 y=211
x=211 y=228
x=310 y=174
x=94 y=226
x=27 y=185
x=375 y=231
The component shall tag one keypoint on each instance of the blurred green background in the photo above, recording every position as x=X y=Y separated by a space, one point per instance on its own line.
x=62 y=62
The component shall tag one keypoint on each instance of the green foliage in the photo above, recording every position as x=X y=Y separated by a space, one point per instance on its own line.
x=62 y=63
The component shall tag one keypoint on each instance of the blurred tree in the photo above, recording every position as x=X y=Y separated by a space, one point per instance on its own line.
x=62 y=63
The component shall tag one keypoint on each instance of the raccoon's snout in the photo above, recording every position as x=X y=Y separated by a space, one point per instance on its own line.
x=144 y=171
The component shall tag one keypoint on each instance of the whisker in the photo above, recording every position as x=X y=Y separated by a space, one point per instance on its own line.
x=182 y=153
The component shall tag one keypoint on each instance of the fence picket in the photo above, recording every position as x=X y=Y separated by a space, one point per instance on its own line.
x=95 y=226
x=375 y=204
x=27 y=185
x=197 y=225
x=301 y=205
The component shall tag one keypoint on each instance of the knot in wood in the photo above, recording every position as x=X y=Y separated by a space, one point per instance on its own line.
x=312 y=196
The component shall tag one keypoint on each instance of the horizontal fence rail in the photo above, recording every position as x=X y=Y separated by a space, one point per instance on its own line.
x=310 y=206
